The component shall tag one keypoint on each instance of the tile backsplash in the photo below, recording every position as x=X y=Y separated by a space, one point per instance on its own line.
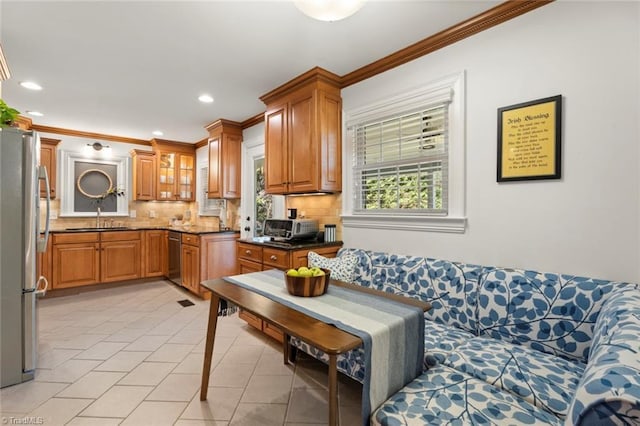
x=162 y=212
x=325 y=208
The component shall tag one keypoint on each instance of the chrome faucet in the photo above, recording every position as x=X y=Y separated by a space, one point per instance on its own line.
x=98 y=218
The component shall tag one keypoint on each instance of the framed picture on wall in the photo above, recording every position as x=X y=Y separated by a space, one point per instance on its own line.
x=530 y=140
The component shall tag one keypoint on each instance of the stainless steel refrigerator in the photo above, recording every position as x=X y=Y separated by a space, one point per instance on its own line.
x=20 y=239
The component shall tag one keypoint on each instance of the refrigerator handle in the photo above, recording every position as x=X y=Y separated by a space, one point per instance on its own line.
x=42 y=243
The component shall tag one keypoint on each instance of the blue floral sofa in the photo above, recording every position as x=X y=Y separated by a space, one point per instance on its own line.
x=508 y=346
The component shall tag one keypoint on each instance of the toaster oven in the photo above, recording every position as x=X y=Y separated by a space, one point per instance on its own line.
x=290 y=229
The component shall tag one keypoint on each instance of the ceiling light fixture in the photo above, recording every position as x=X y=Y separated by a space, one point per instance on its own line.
x=207 y=99
x=329 y=10
x=30 y=85
x=35 y=113
x=157 y=133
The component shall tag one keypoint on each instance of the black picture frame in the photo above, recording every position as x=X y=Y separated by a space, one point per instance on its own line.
x=530 y=140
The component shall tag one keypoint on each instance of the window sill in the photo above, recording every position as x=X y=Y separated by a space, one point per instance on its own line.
x=455 y=225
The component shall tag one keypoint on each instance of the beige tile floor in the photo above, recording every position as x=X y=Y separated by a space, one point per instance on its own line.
x=132 y=355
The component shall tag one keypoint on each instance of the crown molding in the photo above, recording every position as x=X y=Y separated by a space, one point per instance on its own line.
x=252 y=121
x=485 y=20
x=202 y=142
x=315 y=74
x=222 y=122
x=92 y=135
x=24 y=123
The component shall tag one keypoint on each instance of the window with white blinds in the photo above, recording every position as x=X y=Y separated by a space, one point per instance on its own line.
x=401 y=162
x=407 y=152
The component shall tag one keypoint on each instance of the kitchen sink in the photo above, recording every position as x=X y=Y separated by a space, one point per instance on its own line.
x=115 y=228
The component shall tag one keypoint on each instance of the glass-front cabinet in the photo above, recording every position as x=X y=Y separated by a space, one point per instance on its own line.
x=166 y=176
x=176 y=172
x=186 y=172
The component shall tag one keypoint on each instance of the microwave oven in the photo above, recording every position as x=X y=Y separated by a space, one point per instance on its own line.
x=290 y=229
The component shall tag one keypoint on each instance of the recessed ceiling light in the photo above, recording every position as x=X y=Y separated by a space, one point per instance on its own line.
x=157 y=133
x=207 y=99
x=30 y=85
x=35 y=113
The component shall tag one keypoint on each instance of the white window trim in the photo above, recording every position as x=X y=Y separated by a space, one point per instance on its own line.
x=455 y=221
x=207 y=207
x=69 y=158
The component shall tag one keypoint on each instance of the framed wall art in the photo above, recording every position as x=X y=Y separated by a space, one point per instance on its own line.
x=530 y=140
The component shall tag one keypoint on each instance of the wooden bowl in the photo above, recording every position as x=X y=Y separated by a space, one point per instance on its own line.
x=308 y=286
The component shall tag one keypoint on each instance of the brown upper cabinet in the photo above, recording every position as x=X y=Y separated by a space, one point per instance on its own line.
x=303 y=128
x=225 y=139
x=175 y=168
x=144 y=175
x=48 y=158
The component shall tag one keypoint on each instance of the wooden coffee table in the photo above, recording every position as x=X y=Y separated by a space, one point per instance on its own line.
x=327 y=338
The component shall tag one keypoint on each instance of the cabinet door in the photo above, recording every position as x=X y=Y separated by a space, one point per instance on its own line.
x=75 y=264
x=214 y=190
x=231 y=153
x=144 y=177
x=302 y=148
x=48 y=159
x=191 y=268
x=166 y=176
x=185 y=185
x=120 y=261
x=330 y=146
x=155 y=253
x=217 y=256
x=275 y=150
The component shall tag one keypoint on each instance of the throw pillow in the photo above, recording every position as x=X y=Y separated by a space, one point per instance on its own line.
x=342 y=268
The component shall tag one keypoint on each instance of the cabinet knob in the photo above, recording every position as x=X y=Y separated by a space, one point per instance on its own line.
x=273 y=257
x=247 y=252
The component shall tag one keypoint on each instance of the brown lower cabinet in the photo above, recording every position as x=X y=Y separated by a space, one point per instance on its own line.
x=206 y=257
x=155 y=252
x=75 y=259
x=256 y=257
x=86 y=258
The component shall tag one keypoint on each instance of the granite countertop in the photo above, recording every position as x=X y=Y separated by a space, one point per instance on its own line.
x=293 y=245
x=183 y=229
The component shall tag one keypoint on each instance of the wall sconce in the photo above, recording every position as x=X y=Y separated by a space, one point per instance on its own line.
x=329 y=10
x=98 y=146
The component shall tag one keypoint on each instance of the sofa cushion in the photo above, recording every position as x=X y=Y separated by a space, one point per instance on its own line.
x=548 y=312
x=449 y=287
x=341 y=267
x=440 y=340
x=544 y=380
x=609 y=391
x=444 y=396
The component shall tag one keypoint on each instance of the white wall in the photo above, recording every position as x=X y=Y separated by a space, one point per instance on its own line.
x=587 y=223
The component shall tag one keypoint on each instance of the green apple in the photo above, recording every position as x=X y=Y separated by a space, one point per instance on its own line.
x=318 y=272
x=293 y=273
x=303 y=269
x=305 y=273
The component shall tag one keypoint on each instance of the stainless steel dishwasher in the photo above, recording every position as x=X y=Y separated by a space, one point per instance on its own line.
x=175 y=255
